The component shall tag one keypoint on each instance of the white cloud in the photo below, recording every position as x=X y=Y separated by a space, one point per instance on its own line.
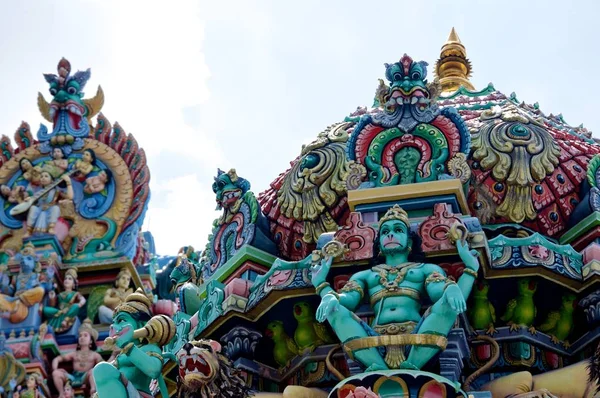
x=178 y=222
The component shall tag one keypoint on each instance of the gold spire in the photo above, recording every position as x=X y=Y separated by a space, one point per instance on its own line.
x=453 y=68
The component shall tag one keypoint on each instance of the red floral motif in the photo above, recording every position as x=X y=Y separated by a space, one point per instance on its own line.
x=434 y=230
x=539 y=251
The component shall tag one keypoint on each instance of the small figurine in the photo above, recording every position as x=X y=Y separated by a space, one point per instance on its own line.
x=84 y=359
x=115 y=296
x=15 y=195
x=68 y=390
x=26 y=289
x=69 y=303
x=33 y=387
x=44 y=212
x=140 y=337
x=559 y=324
x=30 y=172
x=521 y=311
x=482 y=314
x=97 y=183
x=285 y=348
x=85 y=165
x=58 y=166
x=309 y=334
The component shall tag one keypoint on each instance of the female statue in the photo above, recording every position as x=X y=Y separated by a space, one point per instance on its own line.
x=64 y=307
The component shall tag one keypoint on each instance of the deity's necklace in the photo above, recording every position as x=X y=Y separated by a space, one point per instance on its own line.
x=384 y=270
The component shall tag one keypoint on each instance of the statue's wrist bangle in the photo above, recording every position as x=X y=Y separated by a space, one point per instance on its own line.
x=127 y=349
x=469 y=271
x=334 y=294
x=448 y=284
x=321 y=287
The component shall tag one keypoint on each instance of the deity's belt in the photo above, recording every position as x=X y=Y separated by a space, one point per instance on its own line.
x=395 y=328
x=394 y=345
x=396 y=292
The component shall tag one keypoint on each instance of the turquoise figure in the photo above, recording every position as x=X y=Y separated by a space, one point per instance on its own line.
x=185 y=278
x=64 y=307
x=140 y=338
x=396 y=290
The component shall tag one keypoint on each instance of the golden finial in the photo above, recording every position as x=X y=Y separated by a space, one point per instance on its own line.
x=453 y=68
x=395 y=213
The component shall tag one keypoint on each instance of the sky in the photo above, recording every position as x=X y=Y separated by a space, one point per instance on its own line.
x=243 y=84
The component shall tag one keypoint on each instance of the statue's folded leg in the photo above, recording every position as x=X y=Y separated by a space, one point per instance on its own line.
x=108 y=381
x=440 y=320
x=347 y=326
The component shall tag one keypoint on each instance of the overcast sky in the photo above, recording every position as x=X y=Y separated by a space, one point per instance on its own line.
x=207 y=84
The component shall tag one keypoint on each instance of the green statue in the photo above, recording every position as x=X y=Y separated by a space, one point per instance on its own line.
x=140 y=337
x=396 y=292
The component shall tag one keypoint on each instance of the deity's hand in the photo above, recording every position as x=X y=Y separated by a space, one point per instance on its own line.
x=320 y=270
x=455 y=299
x=51 y=294
x=329 y=304
x=469 y=257
x=65 y=178
x=125 y=337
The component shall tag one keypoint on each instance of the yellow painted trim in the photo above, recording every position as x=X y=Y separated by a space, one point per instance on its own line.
x=409 y=191
x=397 y=379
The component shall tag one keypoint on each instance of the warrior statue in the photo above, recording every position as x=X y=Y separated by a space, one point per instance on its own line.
x=140 y=338
x=396 y=293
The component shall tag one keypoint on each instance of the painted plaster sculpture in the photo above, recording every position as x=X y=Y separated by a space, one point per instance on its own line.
x=242 y=221
x=205 y=372
x=185 y=279
x=394 y=290
x=34 y=388
x=115 y=296
x=25 y=290
x=559 y=324
x=309 y=333
x=84 y=358
x=285 y=348
x=521 y=311
x=139 y=361
x=64 y=307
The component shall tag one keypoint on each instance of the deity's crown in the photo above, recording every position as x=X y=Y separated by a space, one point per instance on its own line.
x=124 y=271
x=135 y=303
x=28 y=250
x=86 y=326
x=395 y=213
x=72 y=272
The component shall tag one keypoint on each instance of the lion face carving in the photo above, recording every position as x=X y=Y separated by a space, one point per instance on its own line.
x=205 y=372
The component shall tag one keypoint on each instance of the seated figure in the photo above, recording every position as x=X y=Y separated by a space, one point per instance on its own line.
x=44 y=212
x=64 y=307
x=115 y=296
x=84 y=359
x=396 y=290
x=25 y=290
x=34 y=387
x=140 y=360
